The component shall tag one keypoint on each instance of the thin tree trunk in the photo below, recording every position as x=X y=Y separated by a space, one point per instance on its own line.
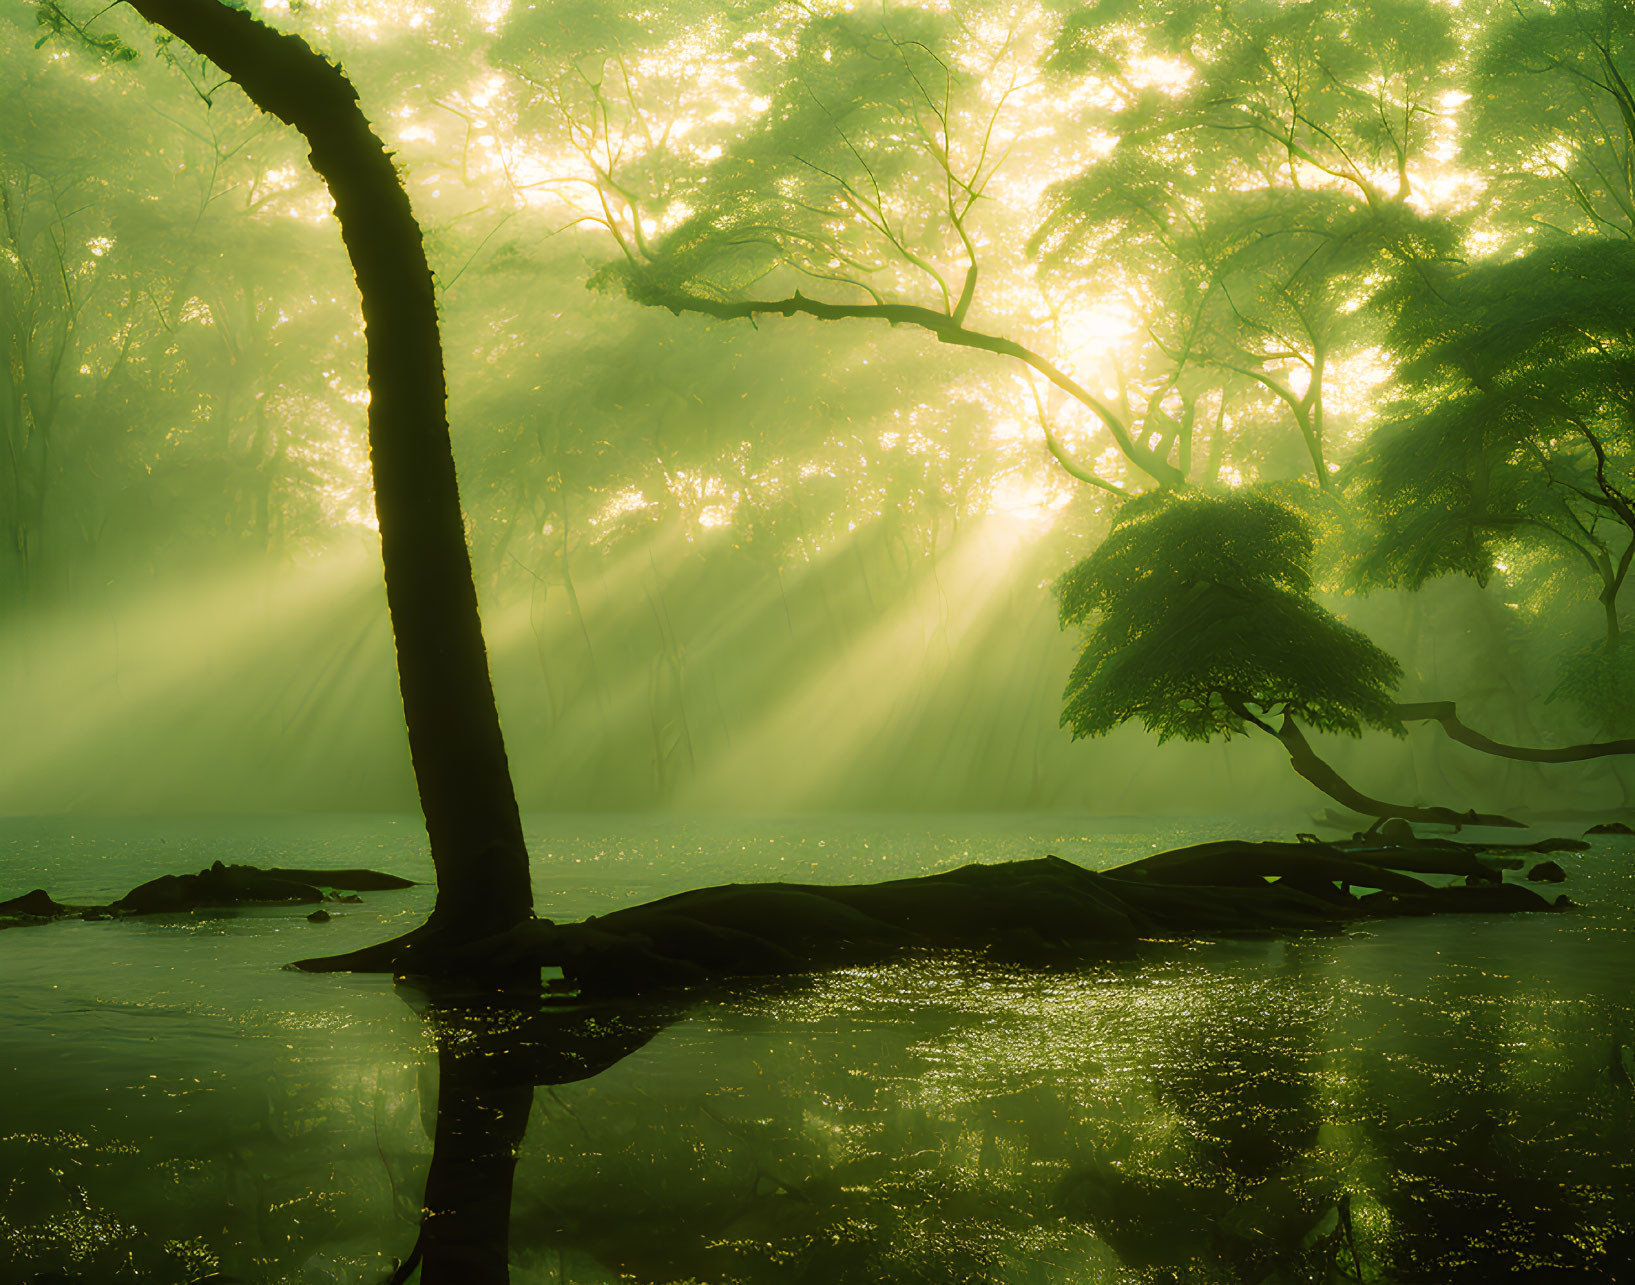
x=1331 y=783
x=448 y=702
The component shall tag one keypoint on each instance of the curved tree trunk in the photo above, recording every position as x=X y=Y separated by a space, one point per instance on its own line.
x=1444 y=713
x=1331 y=783
x=448 y=701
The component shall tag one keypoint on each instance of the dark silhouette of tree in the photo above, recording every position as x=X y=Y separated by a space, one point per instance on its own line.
x=448 y=701
x=1204 y=625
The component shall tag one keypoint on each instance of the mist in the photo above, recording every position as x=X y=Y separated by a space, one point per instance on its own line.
x=743 y=565
x=1052 y=584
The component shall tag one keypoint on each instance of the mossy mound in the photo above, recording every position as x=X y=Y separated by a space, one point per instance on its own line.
x=1042 y=911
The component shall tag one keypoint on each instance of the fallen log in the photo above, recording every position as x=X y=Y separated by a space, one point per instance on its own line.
x=1041 y=912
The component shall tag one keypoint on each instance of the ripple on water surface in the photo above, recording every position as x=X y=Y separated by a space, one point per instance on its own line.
x=176 y=1103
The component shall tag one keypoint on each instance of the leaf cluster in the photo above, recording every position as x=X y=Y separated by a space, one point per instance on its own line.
x=833 y=176
x=1200 y=613
x=106 y=46
x=1553 y=114
x=1600 y=683
x=1513 y=416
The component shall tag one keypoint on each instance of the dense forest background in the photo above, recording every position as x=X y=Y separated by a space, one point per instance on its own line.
x=795 y=351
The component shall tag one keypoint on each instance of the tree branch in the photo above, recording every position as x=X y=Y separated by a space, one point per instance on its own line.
x=1444 y=712
x=1331 y=783
x=945 y=327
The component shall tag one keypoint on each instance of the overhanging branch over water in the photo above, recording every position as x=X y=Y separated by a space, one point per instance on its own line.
x=1444 y=712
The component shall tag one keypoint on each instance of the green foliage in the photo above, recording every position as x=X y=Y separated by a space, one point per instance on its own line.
x=808 y=183
x=1256 y=192
x=1542 y=321
x=1512 y=421
x=105 y=45
x=171 y=344
x=1552 y=113
x=1200 y=612
x=1599 y=682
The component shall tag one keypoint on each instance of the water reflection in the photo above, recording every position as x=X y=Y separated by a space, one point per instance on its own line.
x=1254 y=1118
x=491 y=1054
x=1430 y=1102
x=1240 y=1184
x=1503 y=1143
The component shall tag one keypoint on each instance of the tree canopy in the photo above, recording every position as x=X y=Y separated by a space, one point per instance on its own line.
x=871 y=288
x=1200 y=620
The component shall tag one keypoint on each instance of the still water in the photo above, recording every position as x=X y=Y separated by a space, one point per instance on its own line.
x=175 y=1104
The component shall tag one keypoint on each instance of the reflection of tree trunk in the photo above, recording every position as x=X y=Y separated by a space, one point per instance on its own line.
x=448 y=702
x=465 y=1222
x=489 y=1058
x=1331 y=783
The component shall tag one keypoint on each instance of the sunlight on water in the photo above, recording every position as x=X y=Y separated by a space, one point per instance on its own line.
x=177 y=1104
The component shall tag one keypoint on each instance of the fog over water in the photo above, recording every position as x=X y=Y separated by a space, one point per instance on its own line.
x=273 y=688
x=890 y=437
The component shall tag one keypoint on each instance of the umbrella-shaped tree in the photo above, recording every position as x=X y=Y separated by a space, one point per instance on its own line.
x=1201 y=622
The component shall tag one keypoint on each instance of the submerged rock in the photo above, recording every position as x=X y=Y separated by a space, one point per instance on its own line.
x=219 y=886
x=1547 y=872
x=1610 y=827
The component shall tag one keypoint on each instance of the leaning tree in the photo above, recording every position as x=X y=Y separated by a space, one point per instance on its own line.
x=455 y=743
x=1200 y=622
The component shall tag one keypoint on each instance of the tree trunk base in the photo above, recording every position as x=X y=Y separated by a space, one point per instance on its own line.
x=434 y=950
